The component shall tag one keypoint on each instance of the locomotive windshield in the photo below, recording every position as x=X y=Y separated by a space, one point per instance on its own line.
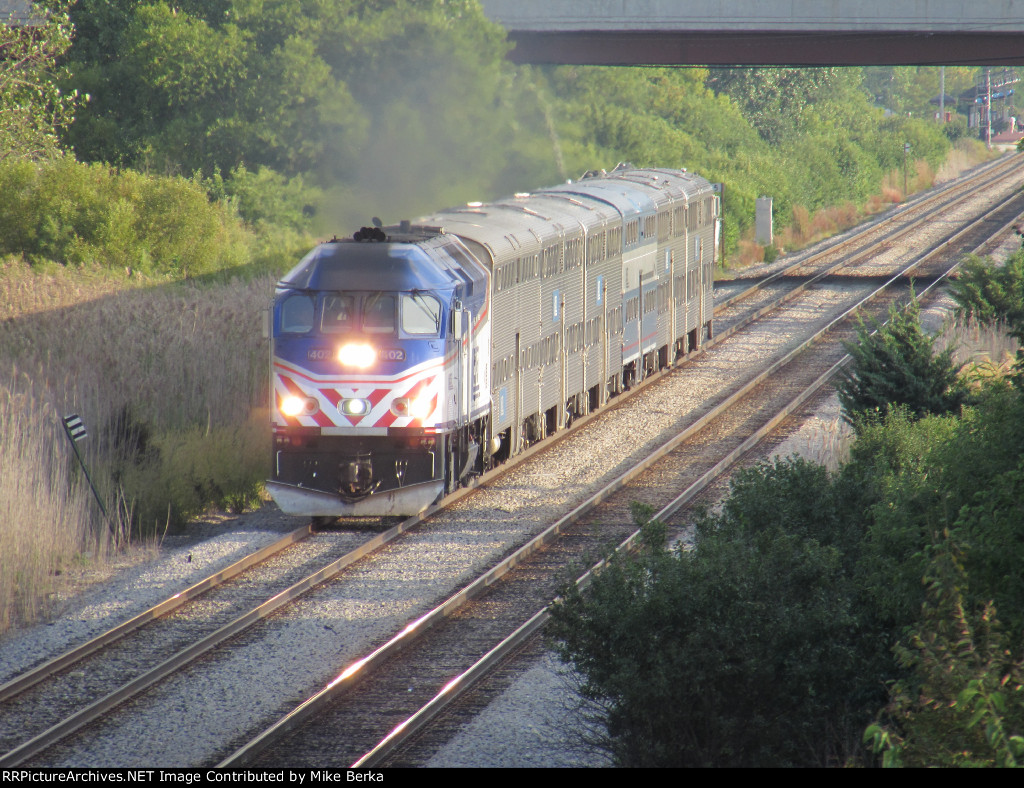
x=421 y=314
x=415 y=314
x=379 y=313
x=297 y=314
x=338 y=313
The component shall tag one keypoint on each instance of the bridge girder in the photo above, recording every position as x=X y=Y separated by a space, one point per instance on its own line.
x=767 y=48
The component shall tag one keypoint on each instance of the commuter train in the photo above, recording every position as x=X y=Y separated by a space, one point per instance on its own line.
x=409 y=359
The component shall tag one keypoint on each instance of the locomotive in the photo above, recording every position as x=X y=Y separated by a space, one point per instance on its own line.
x=408 y=359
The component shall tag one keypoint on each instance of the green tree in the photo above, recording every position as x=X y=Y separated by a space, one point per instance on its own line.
x=777 y=101
x=33 y=111
x=897 y=364
x=178 y=93
x=963 y=702
x=922 y=477
x=742 y=652
x=911 y=89
x=994 y=295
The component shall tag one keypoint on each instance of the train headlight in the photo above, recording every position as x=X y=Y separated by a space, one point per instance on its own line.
x=355 y=407
x=357 y=355
x=299 y=406
x=420 y=407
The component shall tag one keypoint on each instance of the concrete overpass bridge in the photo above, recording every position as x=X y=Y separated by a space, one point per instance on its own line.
x=763 y=32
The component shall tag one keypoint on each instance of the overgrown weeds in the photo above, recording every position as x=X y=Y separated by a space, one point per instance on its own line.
x=171 y=383
x=47 y=513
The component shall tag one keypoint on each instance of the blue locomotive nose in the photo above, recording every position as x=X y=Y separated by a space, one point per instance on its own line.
x=361 y=343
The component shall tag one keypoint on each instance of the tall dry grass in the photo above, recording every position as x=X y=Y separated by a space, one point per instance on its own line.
x=171 y=381
x=47 y=516
x=981 y=351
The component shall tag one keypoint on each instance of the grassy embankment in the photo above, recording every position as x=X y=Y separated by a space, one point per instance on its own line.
x=803 y=228
x=171 y=383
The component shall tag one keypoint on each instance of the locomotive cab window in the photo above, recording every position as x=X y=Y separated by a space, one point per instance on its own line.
x=379 y=314
x=421 y=314
x=297 y=315
x=338 y=313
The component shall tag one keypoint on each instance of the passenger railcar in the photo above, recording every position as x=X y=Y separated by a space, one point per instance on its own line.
x=408 y=359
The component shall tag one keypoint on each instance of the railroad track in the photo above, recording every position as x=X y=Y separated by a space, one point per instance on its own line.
x=519 y=506
x=419 y=679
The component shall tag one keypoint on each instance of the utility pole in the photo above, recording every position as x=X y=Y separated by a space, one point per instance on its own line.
x=988 y=108
x=906 y=150
x=942 y=94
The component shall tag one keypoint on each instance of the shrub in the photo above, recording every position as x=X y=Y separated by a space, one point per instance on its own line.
x=189 y=471
x=896 y=364
x=78 y=214
x=962 y=704
x=741 y=652
x=956 y=128
x=266 y=198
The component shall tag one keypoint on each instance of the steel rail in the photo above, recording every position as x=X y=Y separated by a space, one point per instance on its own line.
x=846 y=261
x=1001 y=169
x=457 y=686
x=30 y=678
x=189 y=654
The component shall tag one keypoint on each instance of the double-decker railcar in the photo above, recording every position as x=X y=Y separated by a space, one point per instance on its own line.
x=408 y=359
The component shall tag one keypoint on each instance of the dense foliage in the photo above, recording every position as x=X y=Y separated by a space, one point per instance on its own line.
x=33 y=111
x=744 y=651
x=397 y=108
x=896 y=365
x=963 y=703
x=90 y=214
x=993 y=294
x=916 y=91
x=376 y=100
x=771 y=641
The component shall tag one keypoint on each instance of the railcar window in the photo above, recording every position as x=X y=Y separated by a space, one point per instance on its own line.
x=338 y=313
x=379 y=314
x=615 y=242
x=297 y=315
x=421 y=314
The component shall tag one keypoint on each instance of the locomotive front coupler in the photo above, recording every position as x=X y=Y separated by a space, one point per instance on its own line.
x=356 y=479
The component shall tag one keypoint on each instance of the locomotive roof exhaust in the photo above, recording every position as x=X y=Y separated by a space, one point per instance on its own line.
x=369 y=234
